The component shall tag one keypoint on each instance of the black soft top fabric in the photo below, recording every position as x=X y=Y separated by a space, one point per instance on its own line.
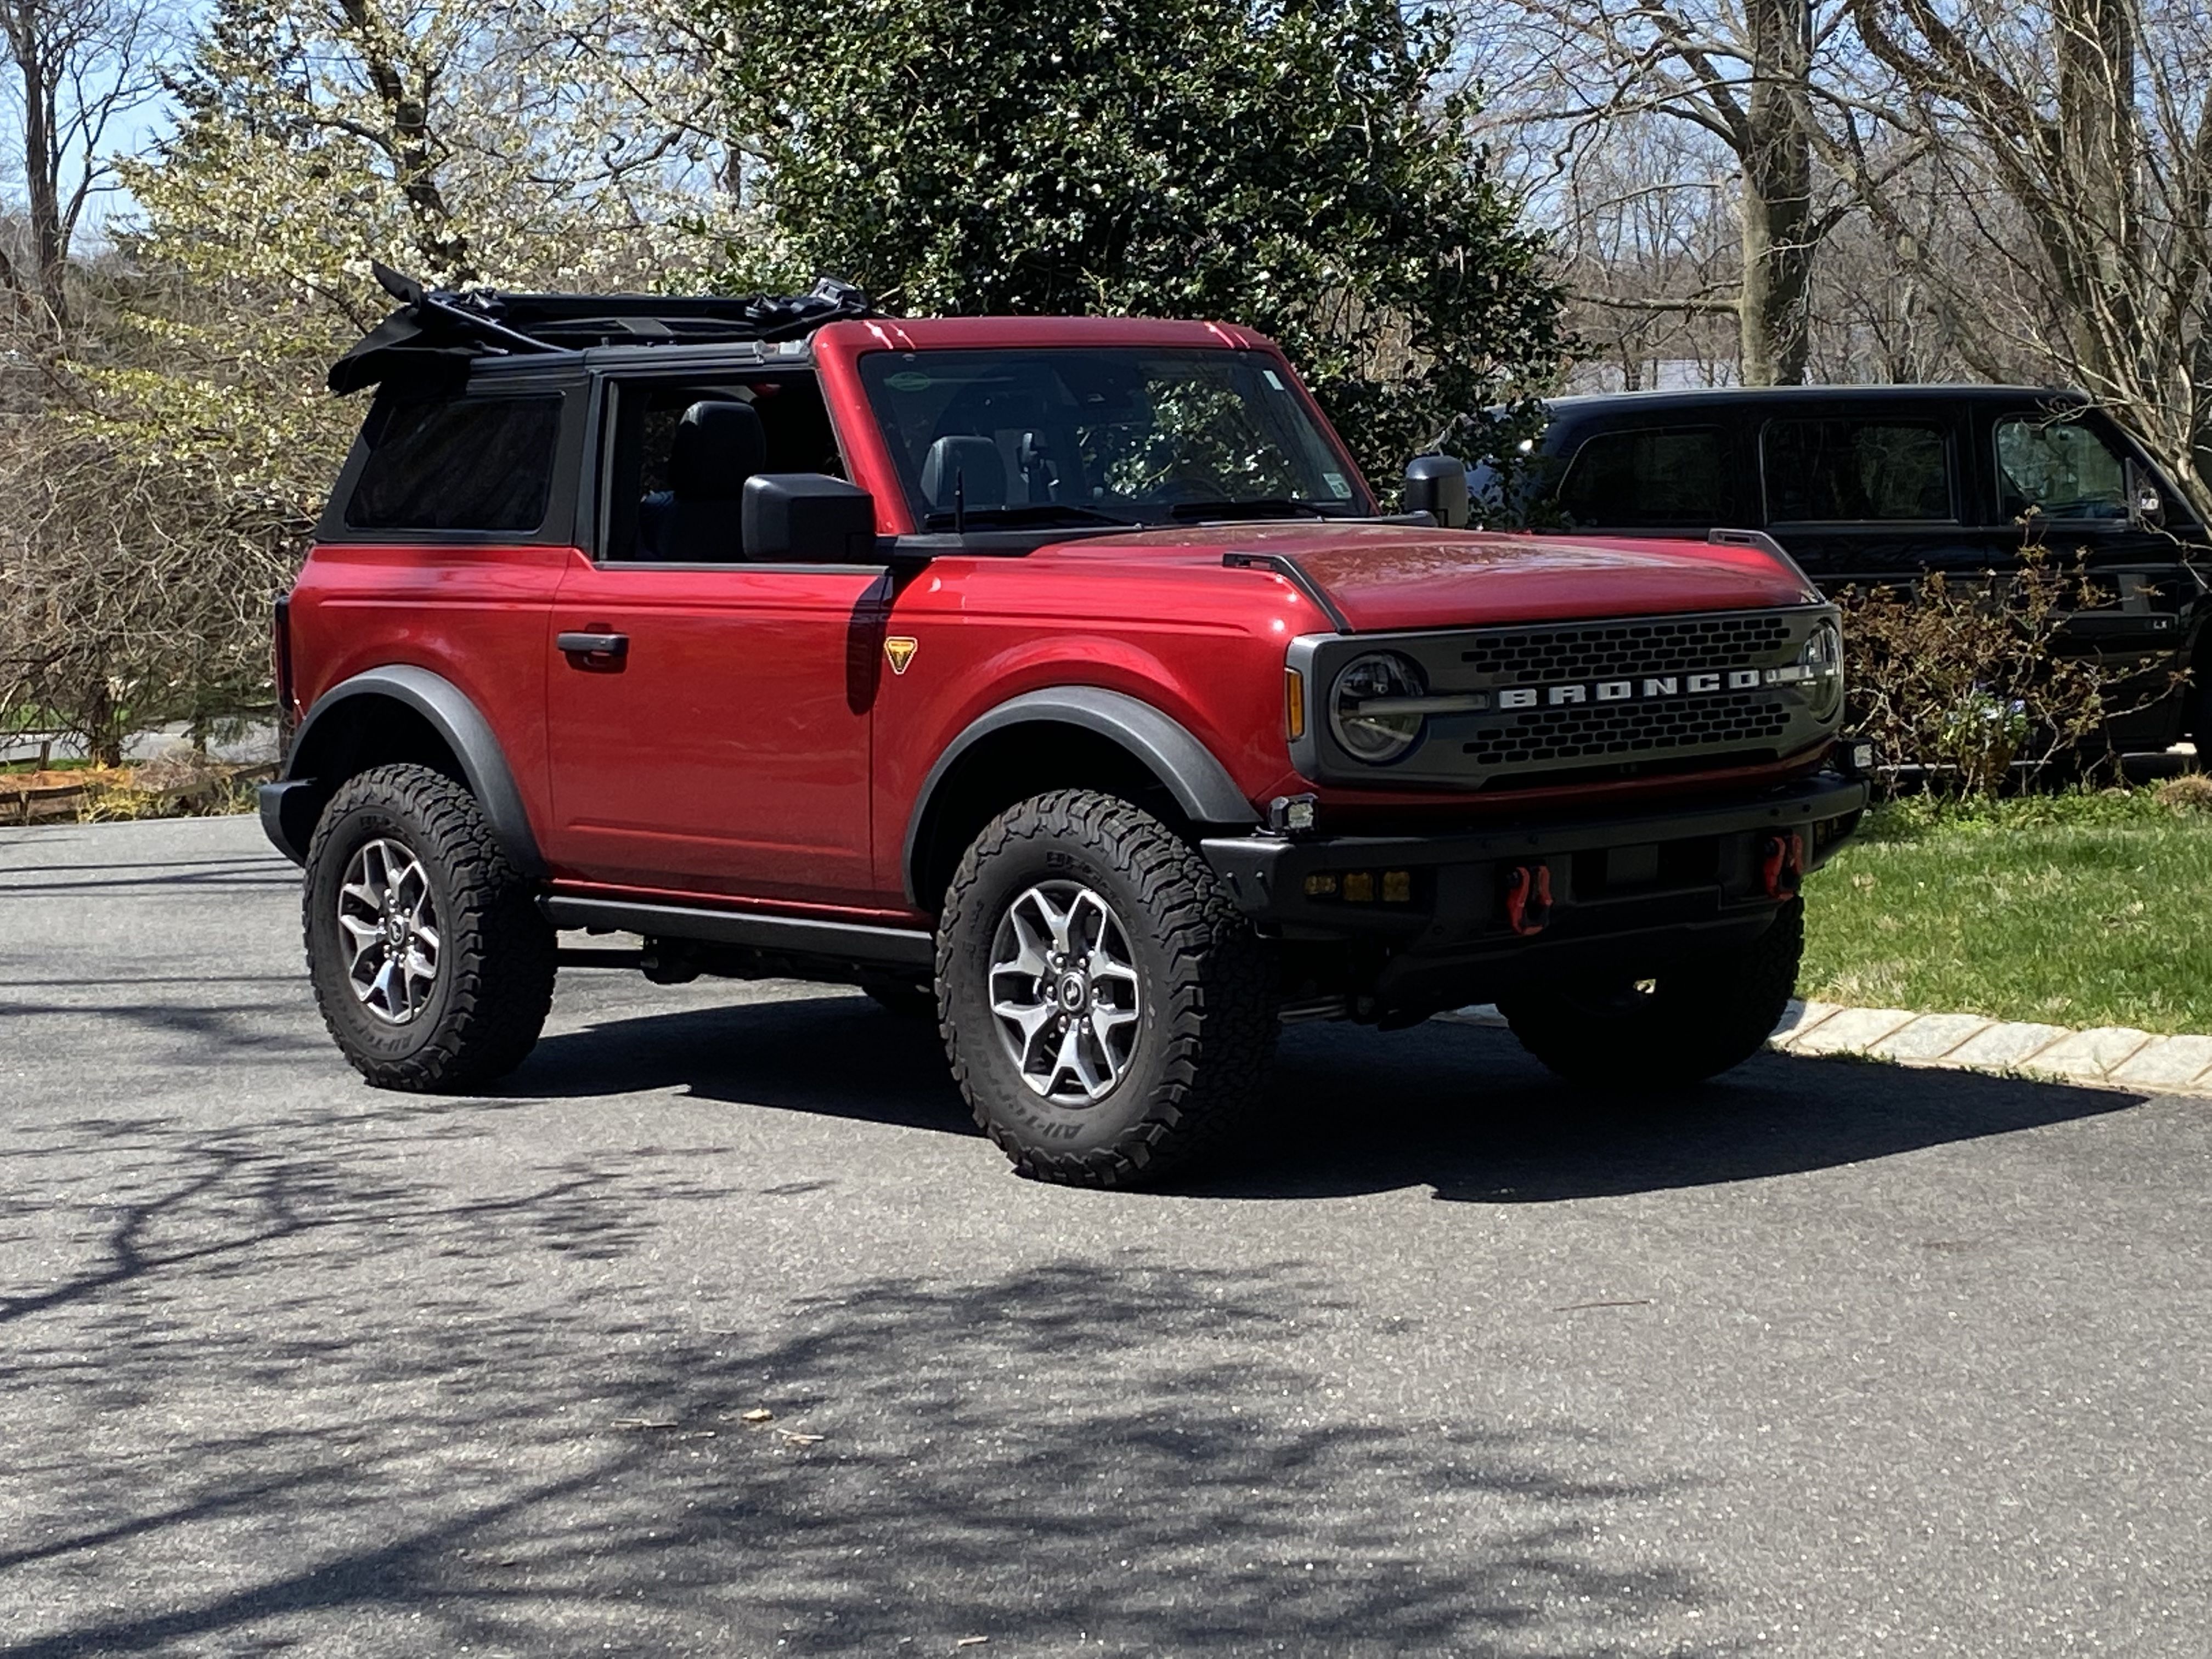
x=437 y=335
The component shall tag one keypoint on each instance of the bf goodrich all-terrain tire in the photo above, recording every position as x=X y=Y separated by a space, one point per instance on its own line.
x=430 y=961
x=1695 y=1020
x=1109 y=1014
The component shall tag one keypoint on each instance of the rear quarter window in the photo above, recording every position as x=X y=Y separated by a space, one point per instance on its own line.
x=1856 y=471
x=1641 y=479
x=481 y=464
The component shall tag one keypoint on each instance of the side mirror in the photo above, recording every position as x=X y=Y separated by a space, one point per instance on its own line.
x=2145 y=508
x=1436 y=485
x=810 y=518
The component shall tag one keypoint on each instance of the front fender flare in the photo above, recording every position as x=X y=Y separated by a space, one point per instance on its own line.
x=1185 y=768
x=448 y=711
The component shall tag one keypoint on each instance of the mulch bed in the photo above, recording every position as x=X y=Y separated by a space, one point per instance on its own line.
x=68 y=796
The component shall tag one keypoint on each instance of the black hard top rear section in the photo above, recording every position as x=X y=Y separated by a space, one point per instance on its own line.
x=436 y=334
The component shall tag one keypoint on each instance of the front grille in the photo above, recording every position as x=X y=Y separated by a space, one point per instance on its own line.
x=1615 y=650
x=1536 y=705
x=1541 y=736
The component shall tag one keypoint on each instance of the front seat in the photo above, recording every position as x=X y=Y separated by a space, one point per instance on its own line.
x=967 y=463
x=696 y=520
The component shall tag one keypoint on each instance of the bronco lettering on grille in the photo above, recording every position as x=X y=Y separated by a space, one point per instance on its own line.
x=1637 y=690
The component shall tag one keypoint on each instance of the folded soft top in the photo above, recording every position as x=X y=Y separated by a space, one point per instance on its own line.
x=438 y=333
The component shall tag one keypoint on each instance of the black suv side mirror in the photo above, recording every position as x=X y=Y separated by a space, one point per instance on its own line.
x=1436 y=485
x=809 y=518
x=2146 y=509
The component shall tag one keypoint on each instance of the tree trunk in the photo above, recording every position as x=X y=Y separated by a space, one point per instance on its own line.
x=49 y=261
x=2098 y=164
x=103 y=723
x=414 y=150
x=1777 y=196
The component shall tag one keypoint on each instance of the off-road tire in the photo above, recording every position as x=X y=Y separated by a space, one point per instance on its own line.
x=1701 y=1017
x=1207 y=1010
x=905 y=998
x=496 y=955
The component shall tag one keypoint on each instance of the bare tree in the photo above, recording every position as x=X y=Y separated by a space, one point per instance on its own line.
x=2075 y=138
x=1752 y=77
x=1647 y=246
x=78 y=66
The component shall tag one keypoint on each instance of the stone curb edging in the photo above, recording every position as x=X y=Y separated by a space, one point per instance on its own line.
x=2115 y=1056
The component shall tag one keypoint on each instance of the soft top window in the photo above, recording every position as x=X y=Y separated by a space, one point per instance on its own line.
x=481 y=464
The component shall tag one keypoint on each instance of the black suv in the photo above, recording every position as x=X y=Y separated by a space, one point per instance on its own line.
x=1874 y=484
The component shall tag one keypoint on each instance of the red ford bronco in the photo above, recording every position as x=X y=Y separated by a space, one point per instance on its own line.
x=1061 y=678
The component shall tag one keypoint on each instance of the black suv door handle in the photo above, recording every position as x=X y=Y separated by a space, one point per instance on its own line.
x=593 y=645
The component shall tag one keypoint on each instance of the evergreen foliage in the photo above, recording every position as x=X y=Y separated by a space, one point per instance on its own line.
x=1300 y=166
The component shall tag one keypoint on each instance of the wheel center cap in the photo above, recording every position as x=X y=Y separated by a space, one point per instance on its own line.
x=1072 y=990
x=395 y=929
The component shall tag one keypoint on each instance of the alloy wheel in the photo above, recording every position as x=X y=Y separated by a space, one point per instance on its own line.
x=388 y=922
x=1064 y=990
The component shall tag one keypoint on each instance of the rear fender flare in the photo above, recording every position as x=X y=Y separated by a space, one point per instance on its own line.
x=446 y=709
x=1163 y=745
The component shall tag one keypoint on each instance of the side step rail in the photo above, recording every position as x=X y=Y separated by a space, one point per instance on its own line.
x=852 y=945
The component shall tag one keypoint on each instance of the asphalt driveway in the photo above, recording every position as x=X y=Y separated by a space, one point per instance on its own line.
x=1836 y=1359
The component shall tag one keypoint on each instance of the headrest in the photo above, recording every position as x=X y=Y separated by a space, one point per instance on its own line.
x=718 y=446
x=976 y=464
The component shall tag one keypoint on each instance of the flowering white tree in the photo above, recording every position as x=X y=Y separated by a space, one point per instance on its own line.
x=520 y=144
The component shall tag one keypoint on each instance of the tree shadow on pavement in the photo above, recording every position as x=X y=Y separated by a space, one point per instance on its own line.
x=838 y=1055
x=1463 y=1110
x=251 y=1420
x=1457 y=1107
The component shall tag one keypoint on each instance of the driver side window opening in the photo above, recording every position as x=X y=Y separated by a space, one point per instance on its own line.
x=677 y=453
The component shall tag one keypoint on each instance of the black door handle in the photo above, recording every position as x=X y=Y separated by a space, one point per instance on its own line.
x=615 y=646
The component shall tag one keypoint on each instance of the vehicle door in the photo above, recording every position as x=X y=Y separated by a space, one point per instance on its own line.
x=444 y=541
x=1867 y=494
x=706 y=735
x=2066 y=481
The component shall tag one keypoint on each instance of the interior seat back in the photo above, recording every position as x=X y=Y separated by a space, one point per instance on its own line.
x=696 y=520
x=972 y=464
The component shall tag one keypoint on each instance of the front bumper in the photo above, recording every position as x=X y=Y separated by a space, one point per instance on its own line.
x=1625 y=894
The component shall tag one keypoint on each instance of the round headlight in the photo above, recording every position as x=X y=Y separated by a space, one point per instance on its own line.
x=1370 y=733
x=1822 y=660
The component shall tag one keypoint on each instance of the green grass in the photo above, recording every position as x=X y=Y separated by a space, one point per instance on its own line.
x=2078 y=909
x=30 y=763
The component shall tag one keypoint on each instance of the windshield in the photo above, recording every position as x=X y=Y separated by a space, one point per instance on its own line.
x=1103 y=435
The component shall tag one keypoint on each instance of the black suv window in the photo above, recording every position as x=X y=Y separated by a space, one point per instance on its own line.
x=474 y=464
x=1651 y=477
x=1856 y=471
x=2060 y=468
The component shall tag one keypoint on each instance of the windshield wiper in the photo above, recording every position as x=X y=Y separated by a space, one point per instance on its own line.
x=1044 y=512
x=1264 y=507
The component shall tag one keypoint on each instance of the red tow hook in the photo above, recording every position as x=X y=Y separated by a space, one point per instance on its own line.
x=1782 y=865
x=1528 y=898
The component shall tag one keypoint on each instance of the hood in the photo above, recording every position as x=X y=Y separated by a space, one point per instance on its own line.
x=1390 y=578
